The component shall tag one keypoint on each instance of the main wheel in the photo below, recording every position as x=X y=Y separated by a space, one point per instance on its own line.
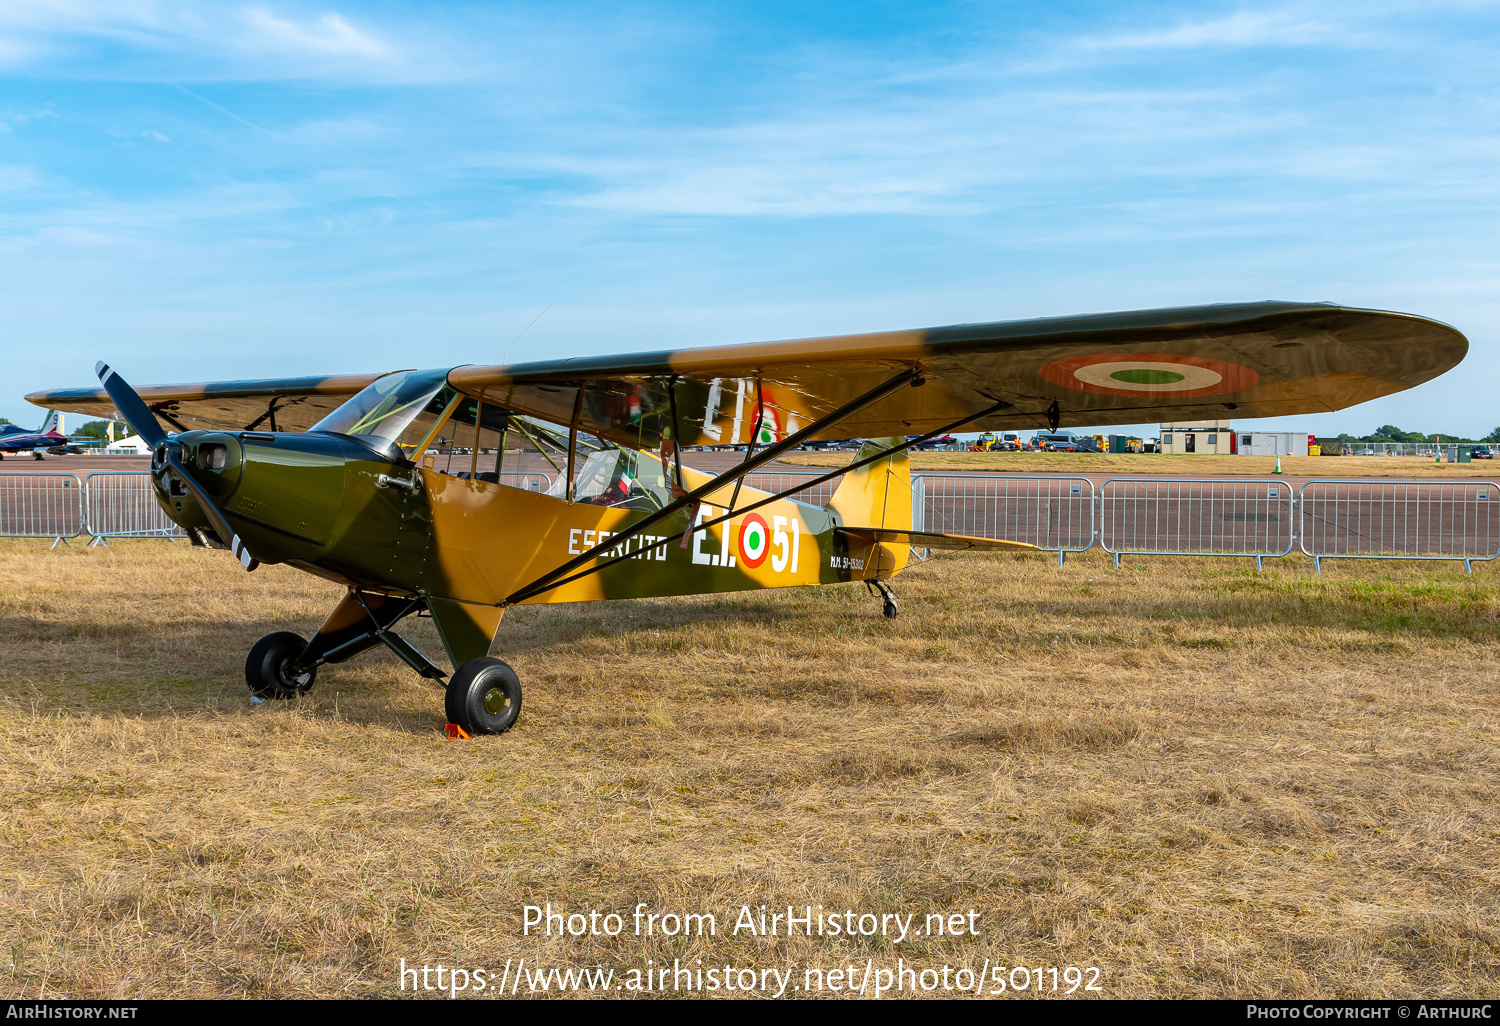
x=484 y=696
x=268 y=667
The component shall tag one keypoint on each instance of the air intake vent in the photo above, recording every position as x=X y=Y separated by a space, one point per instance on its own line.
x=211 y=456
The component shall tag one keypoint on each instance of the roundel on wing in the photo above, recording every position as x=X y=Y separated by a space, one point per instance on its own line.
x=770 y=432
x=755 y=541
x=1144 y=375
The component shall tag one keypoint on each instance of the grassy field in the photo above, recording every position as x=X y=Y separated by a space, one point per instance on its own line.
x=1202 y=780
x=1180 y=466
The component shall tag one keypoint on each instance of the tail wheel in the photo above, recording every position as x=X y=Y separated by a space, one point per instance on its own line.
x=484 y=696
x=268 y=667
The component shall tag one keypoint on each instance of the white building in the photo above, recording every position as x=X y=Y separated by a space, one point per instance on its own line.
x=1197 y=436
x=1272 y=443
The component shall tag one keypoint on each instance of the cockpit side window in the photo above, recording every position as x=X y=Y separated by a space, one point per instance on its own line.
x=619 y=477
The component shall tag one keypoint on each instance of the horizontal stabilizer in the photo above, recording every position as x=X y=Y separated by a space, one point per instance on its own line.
x=931 y=539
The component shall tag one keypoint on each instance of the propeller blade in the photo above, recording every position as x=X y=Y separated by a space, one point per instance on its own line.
x=135 y=411
x=139 y=416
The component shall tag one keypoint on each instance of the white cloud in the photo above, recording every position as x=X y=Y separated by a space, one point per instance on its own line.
x=330 y=35
x=1242 y=28
x=17 y=176
x=243 y=41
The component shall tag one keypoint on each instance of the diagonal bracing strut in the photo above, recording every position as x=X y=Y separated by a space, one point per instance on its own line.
x=771 y=452
x=547 y=583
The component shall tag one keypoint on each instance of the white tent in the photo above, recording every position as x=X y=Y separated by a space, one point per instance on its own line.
x=132 y=446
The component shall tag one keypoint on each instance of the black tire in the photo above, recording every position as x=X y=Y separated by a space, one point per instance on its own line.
x=484 y=696
x=890 y=609
x=266 y=669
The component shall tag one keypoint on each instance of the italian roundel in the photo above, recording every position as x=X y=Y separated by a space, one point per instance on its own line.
x=755 y=541
x=1145 y=375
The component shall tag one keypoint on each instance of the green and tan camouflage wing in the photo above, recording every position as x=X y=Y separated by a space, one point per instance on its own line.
x=273 y=404
x=1194 y=363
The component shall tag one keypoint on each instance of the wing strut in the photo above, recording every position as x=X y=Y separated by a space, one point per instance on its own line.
x=573 y=437
x=910 y=376
x=548 y=582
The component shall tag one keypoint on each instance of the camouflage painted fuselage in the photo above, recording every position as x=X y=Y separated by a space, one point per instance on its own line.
x=333 y=507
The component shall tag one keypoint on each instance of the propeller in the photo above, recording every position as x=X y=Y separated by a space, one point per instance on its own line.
x=169 y=453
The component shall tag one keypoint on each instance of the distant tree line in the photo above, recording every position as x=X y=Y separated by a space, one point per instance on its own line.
x=100 y=429
x=1391 y=433
x=95 y=429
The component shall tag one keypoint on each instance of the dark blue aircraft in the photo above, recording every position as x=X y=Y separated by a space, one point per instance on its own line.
x=16 y=440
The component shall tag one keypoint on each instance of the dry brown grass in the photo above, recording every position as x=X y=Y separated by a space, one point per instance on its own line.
x=1205 y=781
x=1176 y=465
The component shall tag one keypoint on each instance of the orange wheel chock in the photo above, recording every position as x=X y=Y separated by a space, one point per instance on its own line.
x=457 y=733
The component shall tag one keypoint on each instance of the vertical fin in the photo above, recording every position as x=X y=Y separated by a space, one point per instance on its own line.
x=878 y=495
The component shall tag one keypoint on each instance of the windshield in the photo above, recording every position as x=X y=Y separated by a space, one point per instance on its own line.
x=393 y=413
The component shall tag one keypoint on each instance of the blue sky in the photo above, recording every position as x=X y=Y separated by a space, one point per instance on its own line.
x=198 y=191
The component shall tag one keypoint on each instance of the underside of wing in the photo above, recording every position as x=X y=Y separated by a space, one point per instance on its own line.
x=275 y=404
x=932 y=540
x=1194 y=363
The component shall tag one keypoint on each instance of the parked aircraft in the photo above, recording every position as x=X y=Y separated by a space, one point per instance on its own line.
x=334 y=475
x=50 y=439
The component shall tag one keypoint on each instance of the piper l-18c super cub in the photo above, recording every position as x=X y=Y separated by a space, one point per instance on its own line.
x=414 y=488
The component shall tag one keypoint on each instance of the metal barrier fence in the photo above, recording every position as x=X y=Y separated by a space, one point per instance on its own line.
x=1052 y=513
x=776 y=482
x=122 y=504
x=1449 y=520
x=1328 y=519
x=41 y=506
x=1184 y=517
x=1449 y=451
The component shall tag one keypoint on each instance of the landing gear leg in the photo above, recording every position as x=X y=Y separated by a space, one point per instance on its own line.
x=885 y=592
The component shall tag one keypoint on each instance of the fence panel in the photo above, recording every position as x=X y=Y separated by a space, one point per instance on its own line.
x=122 y=504
x=1052 y=513
x=1182 y=517
x=775 y=482
x=41 y=506
x=1401 y=520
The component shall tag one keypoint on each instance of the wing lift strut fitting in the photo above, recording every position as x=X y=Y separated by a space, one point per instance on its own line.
x=345 y=643
x=556 y=578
